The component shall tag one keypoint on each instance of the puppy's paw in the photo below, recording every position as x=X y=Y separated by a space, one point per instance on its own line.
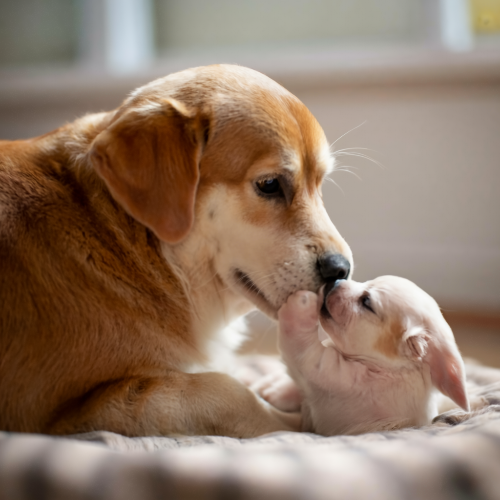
x=299 y=314
x=252 y=368
x=452 y=417
x=279 y=390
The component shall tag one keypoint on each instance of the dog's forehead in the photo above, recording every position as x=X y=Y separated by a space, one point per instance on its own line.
x=295 y=140
x=305 y=137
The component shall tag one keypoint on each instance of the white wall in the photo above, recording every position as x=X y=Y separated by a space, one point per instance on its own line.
x=432 y=214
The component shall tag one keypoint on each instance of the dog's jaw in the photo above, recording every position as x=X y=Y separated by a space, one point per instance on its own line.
x=253 y=293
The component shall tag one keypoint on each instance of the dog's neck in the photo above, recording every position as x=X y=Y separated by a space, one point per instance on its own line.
x=216 y=307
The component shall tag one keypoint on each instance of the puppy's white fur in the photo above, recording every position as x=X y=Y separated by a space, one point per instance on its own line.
x=372 y=359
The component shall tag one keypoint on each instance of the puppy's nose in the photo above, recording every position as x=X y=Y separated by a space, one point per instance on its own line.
x=333 y=267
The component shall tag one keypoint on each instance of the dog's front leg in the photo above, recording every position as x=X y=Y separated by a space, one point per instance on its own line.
x=179 y=403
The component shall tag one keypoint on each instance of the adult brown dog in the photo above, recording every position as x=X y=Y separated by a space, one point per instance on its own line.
x=130 y=239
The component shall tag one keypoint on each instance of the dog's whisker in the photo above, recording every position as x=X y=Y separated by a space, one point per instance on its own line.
x=348 y=132
x=329 y=179
x=353 y=149
x=347 y=171
x=359 y=155
x=343 y=168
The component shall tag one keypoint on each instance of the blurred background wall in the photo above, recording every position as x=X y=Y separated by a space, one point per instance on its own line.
x=416 y=82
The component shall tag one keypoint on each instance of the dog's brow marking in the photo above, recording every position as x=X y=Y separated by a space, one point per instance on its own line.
x=324 y=157
x=291 y=161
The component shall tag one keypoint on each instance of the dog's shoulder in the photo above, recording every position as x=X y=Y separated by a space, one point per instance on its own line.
x=29 y=180
x=42 y=174
x=40 y=210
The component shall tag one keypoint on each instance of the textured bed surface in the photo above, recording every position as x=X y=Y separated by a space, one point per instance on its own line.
x=451 y=459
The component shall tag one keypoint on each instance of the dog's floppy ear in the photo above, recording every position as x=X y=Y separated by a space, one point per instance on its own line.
x=149 y=159
x=439 y=351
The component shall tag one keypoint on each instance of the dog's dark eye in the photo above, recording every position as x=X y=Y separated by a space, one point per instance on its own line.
x=366 y=303
x=269 y=187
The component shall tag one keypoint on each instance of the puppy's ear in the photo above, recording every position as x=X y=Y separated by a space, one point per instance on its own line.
x=149 y=159
x=416 y=341
x=448 y=371
x=439 y=351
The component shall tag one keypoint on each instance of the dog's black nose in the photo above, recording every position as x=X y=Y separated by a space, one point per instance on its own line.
x=333 y=267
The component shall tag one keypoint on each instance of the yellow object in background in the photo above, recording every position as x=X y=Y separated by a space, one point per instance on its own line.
x=485 y=16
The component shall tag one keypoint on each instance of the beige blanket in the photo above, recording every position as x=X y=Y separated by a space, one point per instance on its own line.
x=451 y=459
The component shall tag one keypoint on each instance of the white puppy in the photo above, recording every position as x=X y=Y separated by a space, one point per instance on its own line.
x=370 y=356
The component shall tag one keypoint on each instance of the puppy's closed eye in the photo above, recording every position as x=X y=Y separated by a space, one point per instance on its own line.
x=367 y=303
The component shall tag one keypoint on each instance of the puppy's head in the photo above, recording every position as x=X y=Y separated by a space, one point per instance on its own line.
x=395 y=324
x=227 y=165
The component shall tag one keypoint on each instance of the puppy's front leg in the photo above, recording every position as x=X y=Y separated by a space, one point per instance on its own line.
x=279 y=389
x=298 y=330
x=299 y=347
x=179 y=403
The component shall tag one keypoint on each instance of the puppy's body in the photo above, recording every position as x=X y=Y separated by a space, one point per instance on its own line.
x=130 y=239
x=382 y=350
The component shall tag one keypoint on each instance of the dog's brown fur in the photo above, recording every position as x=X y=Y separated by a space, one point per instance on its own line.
x=97 y=325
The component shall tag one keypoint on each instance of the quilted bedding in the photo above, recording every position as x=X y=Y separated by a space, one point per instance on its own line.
x=454 y=458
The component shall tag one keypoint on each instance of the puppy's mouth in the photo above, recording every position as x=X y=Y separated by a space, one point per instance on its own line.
x=327 y=289
x=253 y=293
x=334 y=306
